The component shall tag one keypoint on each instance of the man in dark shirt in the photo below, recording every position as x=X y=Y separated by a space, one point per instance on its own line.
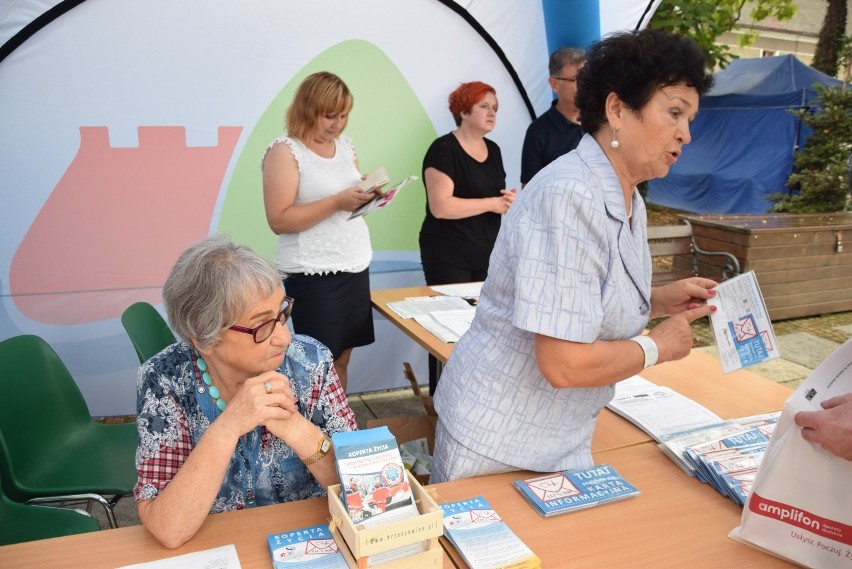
x=557 y=131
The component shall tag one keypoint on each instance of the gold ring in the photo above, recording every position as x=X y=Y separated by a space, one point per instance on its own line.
x=268 y=387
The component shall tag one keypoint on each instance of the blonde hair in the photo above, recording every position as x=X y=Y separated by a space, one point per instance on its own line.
x=321 y=93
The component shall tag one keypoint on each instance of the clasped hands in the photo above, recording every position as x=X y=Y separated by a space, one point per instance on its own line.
x=260 y=400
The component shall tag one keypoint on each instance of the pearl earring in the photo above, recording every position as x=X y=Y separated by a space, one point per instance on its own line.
x=614 y=143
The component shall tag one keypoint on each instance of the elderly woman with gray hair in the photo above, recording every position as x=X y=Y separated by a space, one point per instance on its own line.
x=238 y=414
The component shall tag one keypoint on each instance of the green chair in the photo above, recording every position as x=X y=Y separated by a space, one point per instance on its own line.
x=147 y=330
x=20 y=522
x=50 y=448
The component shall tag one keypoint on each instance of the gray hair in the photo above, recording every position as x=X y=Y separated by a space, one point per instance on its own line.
x=562 y=57
x=212 y=284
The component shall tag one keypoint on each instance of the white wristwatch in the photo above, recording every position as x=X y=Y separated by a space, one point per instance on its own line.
x=649 y=347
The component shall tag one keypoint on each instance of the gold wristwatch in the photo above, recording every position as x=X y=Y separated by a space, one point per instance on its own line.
x=323 y=446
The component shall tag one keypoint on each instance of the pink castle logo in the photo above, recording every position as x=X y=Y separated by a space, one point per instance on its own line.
x=115 y=224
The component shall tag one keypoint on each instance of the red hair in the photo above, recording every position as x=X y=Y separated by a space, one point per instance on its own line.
x=466 y=96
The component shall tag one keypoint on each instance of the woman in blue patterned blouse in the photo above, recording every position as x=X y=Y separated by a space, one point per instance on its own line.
x=238 y=413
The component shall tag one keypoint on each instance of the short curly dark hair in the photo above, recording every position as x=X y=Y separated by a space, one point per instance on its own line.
x=633 y=65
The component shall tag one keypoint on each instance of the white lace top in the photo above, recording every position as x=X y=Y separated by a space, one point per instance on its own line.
x=335 y=244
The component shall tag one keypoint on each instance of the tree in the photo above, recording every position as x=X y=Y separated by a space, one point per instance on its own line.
x=820 y=179
x=830 y=42
x=706 y=20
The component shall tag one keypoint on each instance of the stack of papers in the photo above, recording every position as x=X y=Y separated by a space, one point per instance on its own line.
x=726 y=455
x=446 y=317
x=679 y=446
x=415 y=305
x=447 y=325
x=659 y=411
x=483 y=539
x=464 y=290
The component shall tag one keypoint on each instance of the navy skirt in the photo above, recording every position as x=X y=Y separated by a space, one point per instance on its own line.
x=333 y=308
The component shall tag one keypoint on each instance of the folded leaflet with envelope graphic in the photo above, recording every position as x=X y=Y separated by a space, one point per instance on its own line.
x=483 y=539
x=741 y=325
x=307 y=547
x=572 y=490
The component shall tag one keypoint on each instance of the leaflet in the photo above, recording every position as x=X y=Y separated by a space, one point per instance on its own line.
x=310 y=547
x=383 y=200
x=573 y=490
x=483 y=539
x=741 y=325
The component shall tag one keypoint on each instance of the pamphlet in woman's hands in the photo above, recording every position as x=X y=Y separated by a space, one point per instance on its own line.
x=382 y=200
x=374 y=180
x=741 y=325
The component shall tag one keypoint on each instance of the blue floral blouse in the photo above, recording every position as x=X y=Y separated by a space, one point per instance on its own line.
x=174 y=410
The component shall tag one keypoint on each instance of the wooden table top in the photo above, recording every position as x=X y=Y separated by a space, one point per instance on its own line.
x=676 y=521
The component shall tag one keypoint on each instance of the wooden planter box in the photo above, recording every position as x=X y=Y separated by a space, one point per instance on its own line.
x=802 y=262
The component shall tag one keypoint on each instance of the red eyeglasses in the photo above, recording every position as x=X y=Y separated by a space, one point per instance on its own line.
x=262 y=332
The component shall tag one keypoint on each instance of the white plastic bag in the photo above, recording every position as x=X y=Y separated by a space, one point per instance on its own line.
x=800 y=506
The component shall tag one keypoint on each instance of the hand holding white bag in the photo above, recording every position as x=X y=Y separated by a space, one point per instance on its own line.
x=800 y=506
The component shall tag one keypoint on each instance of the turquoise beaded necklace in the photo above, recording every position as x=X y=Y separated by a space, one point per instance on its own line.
x=214 y=392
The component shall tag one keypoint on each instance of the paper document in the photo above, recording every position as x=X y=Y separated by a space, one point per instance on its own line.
x=381 y=200
x=447 y=325
x=483 y=539
x=741 y=325
x=658 y=410
x=224 y=557
x=464 y=290
x=411 y=307
x=376 y=179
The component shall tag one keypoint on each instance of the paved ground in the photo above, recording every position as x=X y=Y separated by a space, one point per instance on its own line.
x=804 y=343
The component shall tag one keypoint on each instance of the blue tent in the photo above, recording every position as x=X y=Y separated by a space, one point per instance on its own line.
x=743 y=139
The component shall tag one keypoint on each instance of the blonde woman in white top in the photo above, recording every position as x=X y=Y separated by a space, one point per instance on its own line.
x=310 y=179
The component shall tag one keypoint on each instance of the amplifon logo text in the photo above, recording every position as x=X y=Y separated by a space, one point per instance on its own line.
x=799 y=518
